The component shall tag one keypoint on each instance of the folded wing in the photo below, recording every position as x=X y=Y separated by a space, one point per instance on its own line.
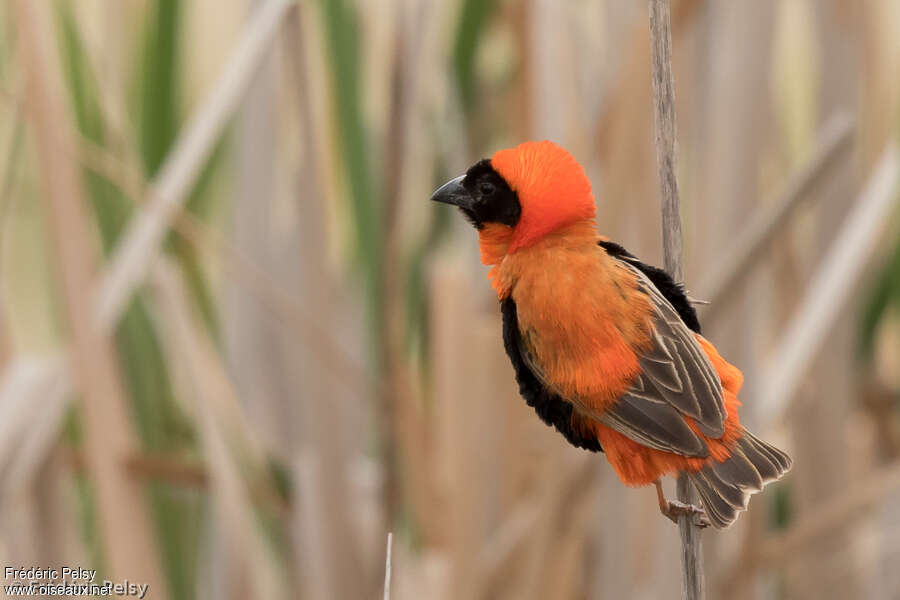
x=677 y=380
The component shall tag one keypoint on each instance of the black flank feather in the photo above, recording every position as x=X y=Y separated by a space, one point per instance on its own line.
x=553 y=410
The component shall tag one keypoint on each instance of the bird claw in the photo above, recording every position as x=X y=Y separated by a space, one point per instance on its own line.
x=697 y=301
x=675 y=509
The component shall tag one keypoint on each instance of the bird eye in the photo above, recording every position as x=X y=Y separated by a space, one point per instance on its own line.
x=486 y=189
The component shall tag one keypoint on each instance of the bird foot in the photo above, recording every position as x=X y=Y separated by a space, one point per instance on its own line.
x=675 y=509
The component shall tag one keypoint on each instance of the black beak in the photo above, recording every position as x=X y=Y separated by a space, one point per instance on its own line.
x=454 y=193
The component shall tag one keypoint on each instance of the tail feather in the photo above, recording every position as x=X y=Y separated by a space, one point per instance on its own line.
x=721 y=500
x=725 y=488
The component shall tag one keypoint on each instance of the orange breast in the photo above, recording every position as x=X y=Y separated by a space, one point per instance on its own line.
x=581 y=315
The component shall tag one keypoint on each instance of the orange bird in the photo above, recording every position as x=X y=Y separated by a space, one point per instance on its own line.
x=606 y=348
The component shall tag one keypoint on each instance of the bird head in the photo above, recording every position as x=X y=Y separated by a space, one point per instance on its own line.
x=533 y=189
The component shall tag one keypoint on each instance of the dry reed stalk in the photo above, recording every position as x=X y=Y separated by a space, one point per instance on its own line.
x=11 y=161
x=566 y=489
x=295 y=316
x=267 y=291
x=561 y=505
x=249 y=571
x=229 y=412
x=399 y=420
x=37 y=527
x=390 y=342
x=276 y=299
x=108 y=437
x=878 y=399
x=326 y=545
x=466 y=451
x=187 y=474
x=834 y=513
x=387 y=568
x=821 y=437
x=24 y=383
x=192 y=147
x=54 y=531
x=839 y=511
x=506 y=542
x=625 y=150
x=748 y=249
x=456 y=399
x=664 y=118
x=140 y=242
x=727 y=177
x=549 y=95
x=48 y=386
x=830 y=288
x=567 y=570
x=260 y=363
x=49 y=391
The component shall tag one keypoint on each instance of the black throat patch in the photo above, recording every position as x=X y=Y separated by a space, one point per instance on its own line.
x=493 y=200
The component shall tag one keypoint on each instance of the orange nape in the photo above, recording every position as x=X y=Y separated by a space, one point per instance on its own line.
x=638 y=465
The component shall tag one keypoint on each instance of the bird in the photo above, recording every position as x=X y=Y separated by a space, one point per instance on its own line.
x=608 y=350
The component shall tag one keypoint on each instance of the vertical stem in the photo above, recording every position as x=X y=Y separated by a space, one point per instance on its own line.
x=664 y=118
x=124 y=528
x=387 y=569
x=327 y=550
x=691 y=550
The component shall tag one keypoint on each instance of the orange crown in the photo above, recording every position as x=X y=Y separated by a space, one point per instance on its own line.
x=553 y=189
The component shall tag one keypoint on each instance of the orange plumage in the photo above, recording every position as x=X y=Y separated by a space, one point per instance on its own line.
x=599 y=340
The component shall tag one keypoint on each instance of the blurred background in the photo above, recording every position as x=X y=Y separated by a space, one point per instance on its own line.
x=239 y=346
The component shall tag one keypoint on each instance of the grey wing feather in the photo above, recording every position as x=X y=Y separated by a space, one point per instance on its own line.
x=677 y=380
x=696 y=390
x=655 y=425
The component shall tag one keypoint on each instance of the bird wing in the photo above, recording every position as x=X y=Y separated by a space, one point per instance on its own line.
x=677 y=380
